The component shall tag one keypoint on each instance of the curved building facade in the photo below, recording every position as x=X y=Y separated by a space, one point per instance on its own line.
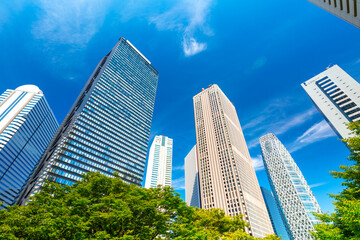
x=290 y=189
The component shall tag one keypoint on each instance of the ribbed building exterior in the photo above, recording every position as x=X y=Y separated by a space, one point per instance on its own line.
x=192 y=191
x=347 y=10
x=159 y=162
x=226 y=175
x=337 y=97
x=27 y=125
x=107 y=129
x=275 y=214
x=290 y=188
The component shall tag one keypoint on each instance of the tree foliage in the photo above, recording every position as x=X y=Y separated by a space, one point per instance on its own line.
x=344 y=224
x=100 y=207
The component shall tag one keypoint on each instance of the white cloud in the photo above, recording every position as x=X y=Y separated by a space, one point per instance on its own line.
x=181 y=167
x=188 y=17
x=178 y=184
x=69 y=22
x=270 y=122
x=315 y=133
x=317 y=184
x=259 y=63
x=258 y=163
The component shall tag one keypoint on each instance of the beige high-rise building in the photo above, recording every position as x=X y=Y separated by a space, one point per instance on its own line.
x=227 y=177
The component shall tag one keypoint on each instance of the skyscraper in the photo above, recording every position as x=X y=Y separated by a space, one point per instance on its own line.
x=290 y=188
x=347 y=10
x=159 y=162
x=226 y=175
x=275 y=214
x=27 y=125
x=337 y=97
x=192 y=191
x=107 y=129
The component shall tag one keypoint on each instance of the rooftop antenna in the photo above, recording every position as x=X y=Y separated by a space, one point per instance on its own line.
x=329 y=66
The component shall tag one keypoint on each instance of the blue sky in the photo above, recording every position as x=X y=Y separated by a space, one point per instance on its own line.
x=257 y=52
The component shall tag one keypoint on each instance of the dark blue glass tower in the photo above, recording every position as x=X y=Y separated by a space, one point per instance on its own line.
x=274 y=213
x=108 y=127
x=27 y=125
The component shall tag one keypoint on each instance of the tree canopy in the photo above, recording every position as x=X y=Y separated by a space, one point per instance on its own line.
x=344 y=223
x=100 y=207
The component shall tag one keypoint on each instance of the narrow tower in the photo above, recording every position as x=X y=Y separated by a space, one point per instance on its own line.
x=274 y=211
x=226 y=175
x=159 y=162
x=192 y=191
x=290 y=188
x=107 y=129
x=27 y=125
x=337 y=97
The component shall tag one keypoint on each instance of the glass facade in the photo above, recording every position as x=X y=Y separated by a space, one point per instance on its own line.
x=27 y=126
x=275 y=214
x=290 y=188
x=108 y=127
x=160 y=162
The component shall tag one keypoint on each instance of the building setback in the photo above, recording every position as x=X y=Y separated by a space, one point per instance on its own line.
x=290 y=188
x=107 y=129
x=27 y=125
x=226 y=175
x=192 y=191
x=347 y=10
x=337 y=97
x=159 y=162
x=275 y=214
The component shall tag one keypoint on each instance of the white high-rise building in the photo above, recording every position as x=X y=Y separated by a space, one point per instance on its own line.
x=192 y=192
x=159 y=162
x=290 y=189
x=348 y=10
x=337 y=97
x=227 y=177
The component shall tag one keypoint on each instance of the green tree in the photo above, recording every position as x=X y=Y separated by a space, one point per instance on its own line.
x=344 y=224
x=100 y=207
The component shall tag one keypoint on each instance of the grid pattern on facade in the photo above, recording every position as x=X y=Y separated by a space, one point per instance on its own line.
x=336 y=95
x=226 y=176
x=108 y=127
x=342 y=101
x=290 y=188
x=23 y=141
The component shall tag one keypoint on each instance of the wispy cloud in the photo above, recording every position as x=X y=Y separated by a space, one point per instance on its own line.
x=178 y=184
x=258 y=163
x=69 y=22
x=274 y=120
x=181 y=167
x=188 y=17
x=317 y=184
x=315 y=133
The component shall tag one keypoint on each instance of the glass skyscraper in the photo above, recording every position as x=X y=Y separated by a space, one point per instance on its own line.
x=290 y=188
x=275 y=214
x=159 y=162
x=27 y=125
x=107 y=129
